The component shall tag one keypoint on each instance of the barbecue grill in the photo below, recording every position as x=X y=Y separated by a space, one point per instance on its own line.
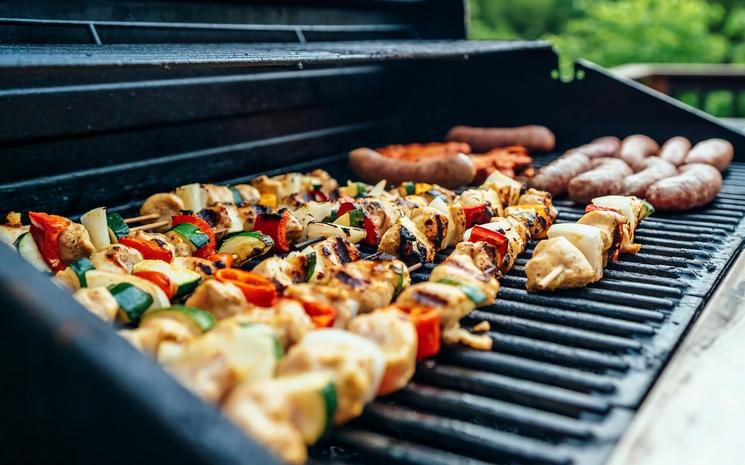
x=104 y=104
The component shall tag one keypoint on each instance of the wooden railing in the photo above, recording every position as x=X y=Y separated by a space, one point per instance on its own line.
x=693 y=83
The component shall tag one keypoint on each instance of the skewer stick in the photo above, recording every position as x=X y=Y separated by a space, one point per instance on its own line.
x=553 y=274
x=137 y=219
x=155 y=225
x=415 y=267
x=304 y=244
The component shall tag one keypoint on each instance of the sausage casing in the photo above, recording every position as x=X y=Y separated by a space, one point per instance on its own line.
x=634 y=149
x=605 y=179
x=675 y=150
x=697 y=185
x=601 y=147
x=451 y=170
x=555 y=176
x=715 y=152
x=533 y=138
x=656 y=170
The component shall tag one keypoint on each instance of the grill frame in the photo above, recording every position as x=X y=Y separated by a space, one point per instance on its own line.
x=121 y=113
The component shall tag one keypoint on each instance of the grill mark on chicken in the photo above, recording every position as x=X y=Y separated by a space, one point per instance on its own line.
x=206 y=269
x=209 y=215
x=351 y=281
x=429 y=299
x=410 y=248
x=341 y=250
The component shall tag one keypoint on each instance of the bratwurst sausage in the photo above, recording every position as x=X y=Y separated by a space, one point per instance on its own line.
x=605 y=179
x=675 y=150
x=448 y=170
x=656 y=169
x=533 y=138
x=697 y=185
x=634 y=149
x=715 y=152
x=601 y=147
x=555 y=176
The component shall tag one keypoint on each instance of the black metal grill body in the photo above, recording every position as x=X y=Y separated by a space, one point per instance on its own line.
x=85 y=125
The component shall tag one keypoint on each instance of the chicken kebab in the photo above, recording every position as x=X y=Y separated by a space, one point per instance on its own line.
x=575 y=254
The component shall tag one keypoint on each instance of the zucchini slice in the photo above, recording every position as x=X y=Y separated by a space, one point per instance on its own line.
x=27 y=249
x=132 y=301
x=313 y=399
x=473 y=293
x=117 y=227
x=246 y=245
x=198 y=320
x=352 y=218
x=80 y=268
x=191 y=234
x=353 y=235
x=96 y=278
x=96 y=223
x=10 y=233
x=185 y=280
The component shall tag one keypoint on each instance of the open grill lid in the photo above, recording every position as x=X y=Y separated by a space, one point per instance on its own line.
x=115 y=102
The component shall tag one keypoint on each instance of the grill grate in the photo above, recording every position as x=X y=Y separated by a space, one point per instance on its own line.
x=568 y=369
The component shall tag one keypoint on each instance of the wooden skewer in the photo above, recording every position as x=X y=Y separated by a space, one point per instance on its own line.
x=415 y=267
x=373 y=256
x=304 y=244
x=553 y=274
x=137 y=219
x=155 y=225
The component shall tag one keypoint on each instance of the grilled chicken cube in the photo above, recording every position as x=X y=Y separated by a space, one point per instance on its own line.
x=373 y=283
x=484 y=256
x=459 y=267
x=405 y=241
x=217 y=194
x=536 y=197
x=382 y=212
x=395 y=334
x=452 y=303
x=613 y=230
x=223 y=217
x=165 y=205
x=473 y=197
x=267 y=418
x=322 y=181
x=249 y=194
x=345 y=306
x=336 y=251
x=535 y=217
x=281 y=271
x=158 y=238
x=356 y=365
x=98 y=301
x=74 y=243
x=433 y=224
x=587 y=239
x=287 y=317
x=507 y=189
x=205 y=268
x=515 y=232
x=220 y=299
x=248 y=214
x=407 y=204
x=116 y=258
x=567 y=265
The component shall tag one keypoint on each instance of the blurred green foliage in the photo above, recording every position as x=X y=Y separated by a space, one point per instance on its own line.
x=615 y=32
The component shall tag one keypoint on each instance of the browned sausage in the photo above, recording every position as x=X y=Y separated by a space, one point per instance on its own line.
x=601 y=147
x=605 y=179
x=697 y=185
x=675 y=150
x=533 y=138
x=656 y=169
x=555 y=176
x=452 y=170
x=715 y=152
x=634 y=149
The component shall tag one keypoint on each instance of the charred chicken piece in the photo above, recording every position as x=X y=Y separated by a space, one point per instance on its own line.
x=405 y=241
x=345 y=306
x=74 y=243
x=220 y=299
x=433 y=225
x=373 y=283
x=558 y=252
x=99 y=301
x=116 y=258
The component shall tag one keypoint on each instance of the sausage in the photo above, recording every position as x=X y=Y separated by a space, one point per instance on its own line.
x=451 y=170
x=555 y=176
x=656 y=169
x=697 y=185
x=607 y=146
x=605 y=179
x=715 y=152
x=533 y=138
x=675 y=150
x=634 y=149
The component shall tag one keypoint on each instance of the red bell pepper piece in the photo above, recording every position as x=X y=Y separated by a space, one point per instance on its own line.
x=322 y=315
x=372 y=237
x=258 y=289
x=150 y=250
x=46 y=229
x=210 y=247
x=160 y=280
x=477 y=214
x=319 y=196
x=274 y=225
x=495 y=238
x=427 y=323
x=222 y=260
x=344 y=208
